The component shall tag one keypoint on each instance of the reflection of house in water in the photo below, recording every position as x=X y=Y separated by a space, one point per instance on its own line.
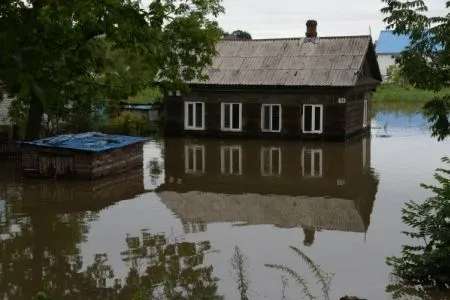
x=288 y=184
x=71 y=196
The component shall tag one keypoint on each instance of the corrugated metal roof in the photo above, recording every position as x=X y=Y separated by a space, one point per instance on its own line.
x=329 y=61
x=89 y=141
x=390 y=43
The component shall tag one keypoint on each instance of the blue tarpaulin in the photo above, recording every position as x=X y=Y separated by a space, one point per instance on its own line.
x=89 y=141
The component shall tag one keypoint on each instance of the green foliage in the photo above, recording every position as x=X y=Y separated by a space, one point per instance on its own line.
x=147 y=95
x=128 y=123
x=396 y=77
x=239 y=265
x=427 y=263
x=323 y=278
x=237 y=34
x=59 y=54
x=390 y=92
x=426 y=61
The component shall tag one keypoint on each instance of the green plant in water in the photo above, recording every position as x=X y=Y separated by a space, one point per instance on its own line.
x=239 y=265
x=427 y=264
x=323 y=278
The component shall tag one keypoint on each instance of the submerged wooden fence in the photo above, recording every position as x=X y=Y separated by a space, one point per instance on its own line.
x=10 y=150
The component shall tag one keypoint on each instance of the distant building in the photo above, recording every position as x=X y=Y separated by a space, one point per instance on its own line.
x=302 y=88
x=149 y=111
x=6 y=126
x=388 y=48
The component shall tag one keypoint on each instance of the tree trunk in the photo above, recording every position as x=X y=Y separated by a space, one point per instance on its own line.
x=34 y=119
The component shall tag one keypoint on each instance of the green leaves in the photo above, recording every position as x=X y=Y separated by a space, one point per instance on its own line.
x=426 y=262
x=88 y=51
x=426 y=62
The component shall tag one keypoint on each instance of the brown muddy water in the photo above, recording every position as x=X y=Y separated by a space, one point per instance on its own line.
x=205 y=217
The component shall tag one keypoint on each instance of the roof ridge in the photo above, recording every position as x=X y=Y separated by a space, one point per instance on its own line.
x=298 y=38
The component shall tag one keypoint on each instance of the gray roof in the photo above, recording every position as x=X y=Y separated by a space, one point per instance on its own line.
x=327 y=61
x=283 y=211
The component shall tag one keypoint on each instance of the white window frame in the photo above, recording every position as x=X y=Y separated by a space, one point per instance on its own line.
x=364 y=152
x=271 y=117
x=186 y=115
x=365 y=113
x=194 y=148
x=231 y=149
x=313 y=118
x=222 y=117
x=270 y=150
x=312 y=173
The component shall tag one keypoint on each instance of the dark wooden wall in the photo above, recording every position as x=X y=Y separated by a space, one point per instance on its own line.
x=334 y=113
x=346 y=170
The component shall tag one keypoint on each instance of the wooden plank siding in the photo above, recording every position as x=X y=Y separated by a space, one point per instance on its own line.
x=339 y=119
x=57 y=162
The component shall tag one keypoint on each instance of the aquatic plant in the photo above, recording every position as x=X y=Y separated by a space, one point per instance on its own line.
x=239 y=264
x=323 y=278
x=427 y=263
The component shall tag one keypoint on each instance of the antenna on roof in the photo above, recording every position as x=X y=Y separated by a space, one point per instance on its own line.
x=370 y=31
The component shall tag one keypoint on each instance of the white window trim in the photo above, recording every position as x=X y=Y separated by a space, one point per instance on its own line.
x=270 y=150
x=313 y=118
x=186 y=159
x=225 y=171
x=312 y=173
x=186 y=116
x=222 y=117
x=365 y=113
x=270 y=120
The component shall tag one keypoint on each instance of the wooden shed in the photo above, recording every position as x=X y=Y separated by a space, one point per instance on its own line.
x=301 y=88
x=313 y=185
x=84 y=156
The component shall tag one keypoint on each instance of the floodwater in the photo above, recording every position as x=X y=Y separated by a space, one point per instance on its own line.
x=217 y=219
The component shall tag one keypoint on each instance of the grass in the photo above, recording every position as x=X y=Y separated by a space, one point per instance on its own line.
x=389 y=97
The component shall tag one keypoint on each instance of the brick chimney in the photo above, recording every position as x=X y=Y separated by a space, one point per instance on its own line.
x=311 y=29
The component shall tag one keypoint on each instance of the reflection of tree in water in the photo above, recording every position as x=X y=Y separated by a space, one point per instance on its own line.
x=172 y=270
x=155 y=167
x=43 y=255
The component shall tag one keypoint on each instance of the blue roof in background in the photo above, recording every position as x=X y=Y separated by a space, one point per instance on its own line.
x=89 y=141
x=390 y=43
x=138 y=107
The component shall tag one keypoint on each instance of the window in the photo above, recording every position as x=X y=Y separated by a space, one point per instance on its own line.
x=364 y=153
x=270 y=161
x=231 y=160
x=311 y=162
x=194 y=115
x=271 y=117
x=194 y=159
x=312 y=118
x=231 y=116
x=365 y=113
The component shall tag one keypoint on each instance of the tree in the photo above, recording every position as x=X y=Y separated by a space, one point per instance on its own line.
x=427 y=263
x=79 y=53
x=426 y=61
x=238 y=35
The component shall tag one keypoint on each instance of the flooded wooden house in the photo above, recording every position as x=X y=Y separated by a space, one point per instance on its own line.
x=300 y=88
x=84 y=156
x=315 y=186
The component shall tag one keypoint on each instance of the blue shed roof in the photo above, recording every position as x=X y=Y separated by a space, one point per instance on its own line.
x=89 y=141
x=138 y=107
x=390 y=43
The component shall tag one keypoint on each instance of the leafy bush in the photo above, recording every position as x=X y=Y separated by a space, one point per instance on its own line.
x=427 y=264
x=128 y=123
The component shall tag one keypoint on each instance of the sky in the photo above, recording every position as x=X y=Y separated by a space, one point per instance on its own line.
x=287 y=18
